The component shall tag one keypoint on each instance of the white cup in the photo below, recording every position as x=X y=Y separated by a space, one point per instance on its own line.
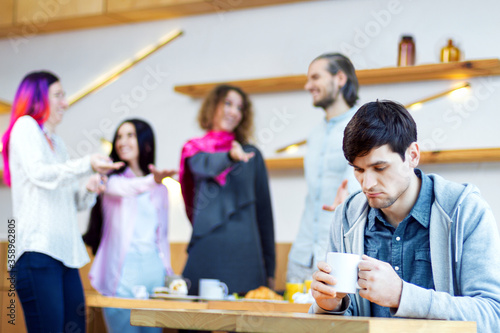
x=212 y=289
x=345 y=269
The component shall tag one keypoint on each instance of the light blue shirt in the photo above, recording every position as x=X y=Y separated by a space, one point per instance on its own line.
x=146 y=226
x=325 y=168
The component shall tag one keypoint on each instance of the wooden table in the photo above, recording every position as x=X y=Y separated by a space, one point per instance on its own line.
x=99 y=301
x=96 y=301
x=252 y=321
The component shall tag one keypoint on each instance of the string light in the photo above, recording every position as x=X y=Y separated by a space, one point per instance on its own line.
x=4 y=107
x=462 y=87
x=171 y=184
x=291 y=148
x=113 y=74
x=460 y=94
x=415 y=106
x=106 y=146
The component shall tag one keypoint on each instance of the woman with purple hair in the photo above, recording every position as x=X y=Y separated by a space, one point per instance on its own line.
x=45 y=198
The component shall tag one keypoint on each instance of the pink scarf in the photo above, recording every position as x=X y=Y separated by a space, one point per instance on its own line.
x=212 y=142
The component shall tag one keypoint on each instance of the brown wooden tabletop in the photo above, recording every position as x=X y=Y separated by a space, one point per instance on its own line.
x=251 y=321
x=99 y=301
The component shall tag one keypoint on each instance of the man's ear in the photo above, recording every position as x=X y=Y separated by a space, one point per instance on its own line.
x=342 y=78
x=413 y=154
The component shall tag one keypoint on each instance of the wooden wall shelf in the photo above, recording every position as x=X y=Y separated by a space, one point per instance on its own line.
x=29 y=17
x=444 y=71
x=426 y=157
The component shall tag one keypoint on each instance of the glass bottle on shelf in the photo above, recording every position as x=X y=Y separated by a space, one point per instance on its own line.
x=450 y=52
x=406 y=54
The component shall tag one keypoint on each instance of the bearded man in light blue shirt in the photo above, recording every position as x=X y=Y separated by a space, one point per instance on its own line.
x=332 y=82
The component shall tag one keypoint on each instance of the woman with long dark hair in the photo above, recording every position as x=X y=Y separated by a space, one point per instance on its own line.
x=45 y=197
x=226 y=193
x=129 y=225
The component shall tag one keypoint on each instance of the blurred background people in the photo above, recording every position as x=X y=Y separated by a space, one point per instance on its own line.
x=45 y=197
x=332 y=82
x=129 y=225
x=225 y=188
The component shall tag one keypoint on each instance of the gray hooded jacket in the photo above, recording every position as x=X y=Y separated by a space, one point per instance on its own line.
x=465 y=256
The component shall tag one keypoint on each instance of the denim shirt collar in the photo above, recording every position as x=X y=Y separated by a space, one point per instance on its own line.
x=421 y=211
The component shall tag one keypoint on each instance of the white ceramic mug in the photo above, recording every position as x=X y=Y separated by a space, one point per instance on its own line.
x=212 y=289
x=345 y=269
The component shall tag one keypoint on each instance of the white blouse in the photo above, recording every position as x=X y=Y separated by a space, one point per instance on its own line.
x=46 y=194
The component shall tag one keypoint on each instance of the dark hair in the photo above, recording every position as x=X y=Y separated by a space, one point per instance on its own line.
x=146 y=143
x=338 y=62
x=206 y=114
x=376 y=124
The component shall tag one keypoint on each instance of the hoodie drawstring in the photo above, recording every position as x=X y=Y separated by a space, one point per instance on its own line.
x=456 y=234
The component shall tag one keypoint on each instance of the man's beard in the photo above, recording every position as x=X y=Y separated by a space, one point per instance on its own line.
x=325 y=103
x=383 y=204
x=388 y=201
x=329 y=99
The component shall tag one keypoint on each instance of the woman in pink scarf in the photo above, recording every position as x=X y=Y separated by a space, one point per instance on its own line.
x=226 y=193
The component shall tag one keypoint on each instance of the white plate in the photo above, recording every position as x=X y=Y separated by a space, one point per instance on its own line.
x=175 y=297
x=261 y=300
x=183 y=297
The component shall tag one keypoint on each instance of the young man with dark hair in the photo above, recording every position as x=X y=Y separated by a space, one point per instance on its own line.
x=332 y=82
x=429 y=246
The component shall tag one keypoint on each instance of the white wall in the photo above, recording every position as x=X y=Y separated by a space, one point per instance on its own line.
x=267 y=42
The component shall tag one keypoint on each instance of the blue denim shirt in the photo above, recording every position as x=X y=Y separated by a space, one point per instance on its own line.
x=406 y=247
x=325 y=168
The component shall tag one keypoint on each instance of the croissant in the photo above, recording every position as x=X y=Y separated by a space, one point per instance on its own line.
x=263 y=293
